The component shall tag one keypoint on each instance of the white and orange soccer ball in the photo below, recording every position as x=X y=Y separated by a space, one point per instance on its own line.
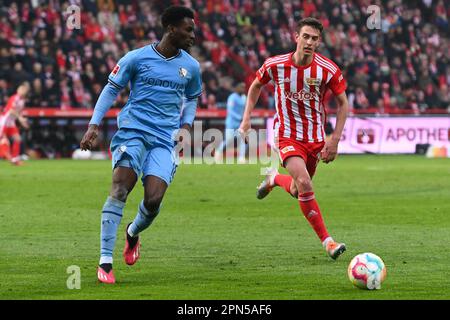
x=367 y=271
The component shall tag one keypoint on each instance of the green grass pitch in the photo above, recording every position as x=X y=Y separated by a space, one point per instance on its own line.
x=214 y=240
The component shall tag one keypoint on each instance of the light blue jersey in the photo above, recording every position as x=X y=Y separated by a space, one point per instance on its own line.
x=235 y=110
x=163 y=97
x=158 y=86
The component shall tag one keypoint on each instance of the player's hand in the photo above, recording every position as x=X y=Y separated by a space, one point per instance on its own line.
x=183 y=137
x=24 y=123
x=329 y=151
x=89 y=137
x=243 y=130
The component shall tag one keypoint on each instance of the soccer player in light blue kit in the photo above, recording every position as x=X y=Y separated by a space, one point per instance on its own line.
x=165 y=83
x=235 y=111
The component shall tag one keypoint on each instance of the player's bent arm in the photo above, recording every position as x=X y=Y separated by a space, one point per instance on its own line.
x=188 y=113
x=341 y=116
x=23 y=122
x=252 y=98
x=104 y=103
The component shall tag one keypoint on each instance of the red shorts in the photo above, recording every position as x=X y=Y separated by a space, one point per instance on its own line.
x=308 y=151
x=10 y=131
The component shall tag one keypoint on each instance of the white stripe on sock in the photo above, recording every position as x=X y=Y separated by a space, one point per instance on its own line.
x=105 y=259
x=130 y=233
x=325 y=242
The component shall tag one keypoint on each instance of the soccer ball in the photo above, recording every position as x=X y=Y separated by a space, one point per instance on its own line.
x=367 y=271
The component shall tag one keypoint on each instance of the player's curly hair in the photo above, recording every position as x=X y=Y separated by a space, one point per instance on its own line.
x=174 y=14
x=312 y=22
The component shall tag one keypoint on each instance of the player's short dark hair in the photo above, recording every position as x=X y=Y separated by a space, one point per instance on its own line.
x=312 y=22
x=174 y=14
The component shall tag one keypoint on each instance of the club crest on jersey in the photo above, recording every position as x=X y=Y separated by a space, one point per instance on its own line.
x=287 y=149
x=313 y=81
x=115 y=70
x=183 y=72
x=122 y=149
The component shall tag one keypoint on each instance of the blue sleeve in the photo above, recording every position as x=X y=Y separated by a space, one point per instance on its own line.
x=188 y=113
x=123 y=71
x=104 y=102
x=194 y=86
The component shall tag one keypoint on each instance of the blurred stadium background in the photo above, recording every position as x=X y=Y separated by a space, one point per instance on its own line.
x=398 y=71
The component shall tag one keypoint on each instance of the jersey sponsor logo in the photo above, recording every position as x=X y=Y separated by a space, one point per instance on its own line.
x=163 y=83
x=287 y=79
x=183 y=72
x=301 y=95
x=115 y=70
x=287 y=149
x=313 y=81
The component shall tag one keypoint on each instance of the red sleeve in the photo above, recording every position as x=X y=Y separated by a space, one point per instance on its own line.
x=262 y=74
x=337 y=83
x=10 y=104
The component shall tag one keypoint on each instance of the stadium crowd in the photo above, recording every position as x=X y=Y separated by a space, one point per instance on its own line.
x=401 y=65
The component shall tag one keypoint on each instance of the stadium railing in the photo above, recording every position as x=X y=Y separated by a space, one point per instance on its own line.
x=35 y=112
x=112 y=113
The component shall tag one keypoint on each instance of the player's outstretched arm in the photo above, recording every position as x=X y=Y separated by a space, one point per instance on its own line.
x=252 y=98
x=329 y=151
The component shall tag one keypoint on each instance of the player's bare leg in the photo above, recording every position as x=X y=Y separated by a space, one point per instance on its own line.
x=123 y=181
x=154 y=190
x=296 y=167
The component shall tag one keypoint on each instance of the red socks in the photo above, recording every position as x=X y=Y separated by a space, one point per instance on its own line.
x=4 y=150
x=15 y=149
x=284 y=181
x=308 y=204
x=311 y=210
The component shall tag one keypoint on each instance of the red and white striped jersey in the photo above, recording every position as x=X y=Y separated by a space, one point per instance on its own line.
x=299 y=92
x=15 y=103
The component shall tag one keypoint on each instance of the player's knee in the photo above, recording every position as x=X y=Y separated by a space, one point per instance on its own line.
x=303 y=185
x=152 y=203
x=119 y=192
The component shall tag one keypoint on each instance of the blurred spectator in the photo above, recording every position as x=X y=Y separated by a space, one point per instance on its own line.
x=36 y=95
x=443 y=96
x=373 y=93
x=360 y=100
x=18 y=75
x=408 y=56
x=4 y=95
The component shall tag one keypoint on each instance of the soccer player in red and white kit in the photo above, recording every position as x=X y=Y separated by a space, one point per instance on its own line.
x=301 y=79
x=8 y=127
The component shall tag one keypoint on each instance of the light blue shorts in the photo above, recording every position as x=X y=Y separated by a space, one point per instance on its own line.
x=144 y=153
